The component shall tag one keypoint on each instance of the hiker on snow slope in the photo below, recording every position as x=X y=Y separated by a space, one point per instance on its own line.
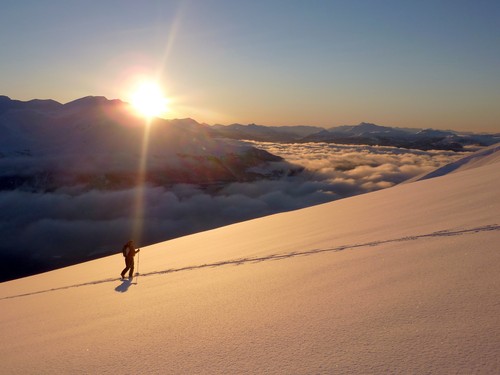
x=129 y=254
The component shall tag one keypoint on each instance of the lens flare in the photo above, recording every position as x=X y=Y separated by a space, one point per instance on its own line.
x=140 y=188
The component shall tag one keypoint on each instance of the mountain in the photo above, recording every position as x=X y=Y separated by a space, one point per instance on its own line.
x=263 y=133
x=98 y=109
x=99 y=143
x=361 y=134
x=365 y=129
x=402 y=280
x=7 y=104
x=423 y=139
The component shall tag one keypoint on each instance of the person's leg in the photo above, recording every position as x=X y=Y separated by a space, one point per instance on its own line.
x=127 y=266
x=124 y=270
x=131 y=265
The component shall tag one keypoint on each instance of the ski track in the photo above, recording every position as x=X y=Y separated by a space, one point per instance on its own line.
x=240 y=261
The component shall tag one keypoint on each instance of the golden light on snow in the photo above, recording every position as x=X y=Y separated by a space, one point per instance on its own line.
x=149 y=100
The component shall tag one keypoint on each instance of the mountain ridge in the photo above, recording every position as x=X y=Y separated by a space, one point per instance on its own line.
x=361 y=134
x=74 y=140
x=364 y=133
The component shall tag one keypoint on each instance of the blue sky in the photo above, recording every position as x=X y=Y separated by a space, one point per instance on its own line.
x=274 y=62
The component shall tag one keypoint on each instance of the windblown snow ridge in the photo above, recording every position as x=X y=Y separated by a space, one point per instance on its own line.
x=485 y=156
x=240 y=261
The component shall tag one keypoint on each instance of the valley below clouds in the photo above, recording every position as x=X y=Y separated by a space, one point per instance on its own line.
x=46 y=230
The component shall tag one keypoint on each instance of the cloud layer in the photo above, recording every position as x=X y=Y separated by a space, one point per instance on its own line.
x=69 y=225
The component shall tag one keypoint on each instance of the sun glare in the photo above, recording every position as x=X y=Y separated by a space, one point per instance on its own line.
x=148 y=100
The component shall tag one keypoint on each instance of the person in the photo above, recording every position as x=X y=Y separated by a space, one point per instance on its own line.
x=129 y=254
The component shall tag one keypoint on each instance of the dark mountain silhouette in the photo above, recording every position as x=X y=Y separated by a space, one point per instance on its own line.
x=98 y=143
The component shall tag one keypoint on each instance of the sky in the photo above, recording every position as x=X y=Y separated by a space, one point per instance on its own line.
x=274 y=62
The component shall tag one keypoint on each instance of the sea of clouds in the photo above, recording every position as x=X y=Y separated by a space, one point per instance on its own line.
x=46 y=230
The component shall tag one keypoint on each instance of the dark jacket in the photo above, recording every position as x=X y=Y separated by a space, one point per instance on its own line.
x=129 y=251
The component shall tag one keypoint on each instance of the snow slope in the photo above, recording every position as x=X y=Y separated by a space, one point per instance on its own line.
x=402 y=280
x=488 y=155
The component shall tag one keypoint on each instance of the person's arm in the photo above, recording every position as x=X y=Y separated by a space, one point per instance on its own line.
x=136 y=251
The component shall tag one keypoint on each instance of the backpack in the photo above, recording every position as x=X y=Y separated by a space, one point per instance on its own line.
x=125 y=250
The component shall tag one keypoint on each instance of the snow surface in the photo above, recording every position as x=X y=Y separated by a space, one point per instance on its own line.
x=402 y=280
x=488 y=155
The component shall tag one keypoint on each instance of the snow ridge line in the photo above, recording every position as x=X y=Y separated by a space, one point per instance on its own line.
x=240 y=261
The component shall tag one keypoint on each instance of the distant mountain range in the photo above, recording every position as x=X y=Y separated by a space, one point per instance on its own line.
x=362 y=134
x=98 y=143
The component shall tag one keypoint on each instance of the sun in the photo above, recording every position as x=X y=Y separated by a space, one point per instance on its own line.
x=148 y=100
